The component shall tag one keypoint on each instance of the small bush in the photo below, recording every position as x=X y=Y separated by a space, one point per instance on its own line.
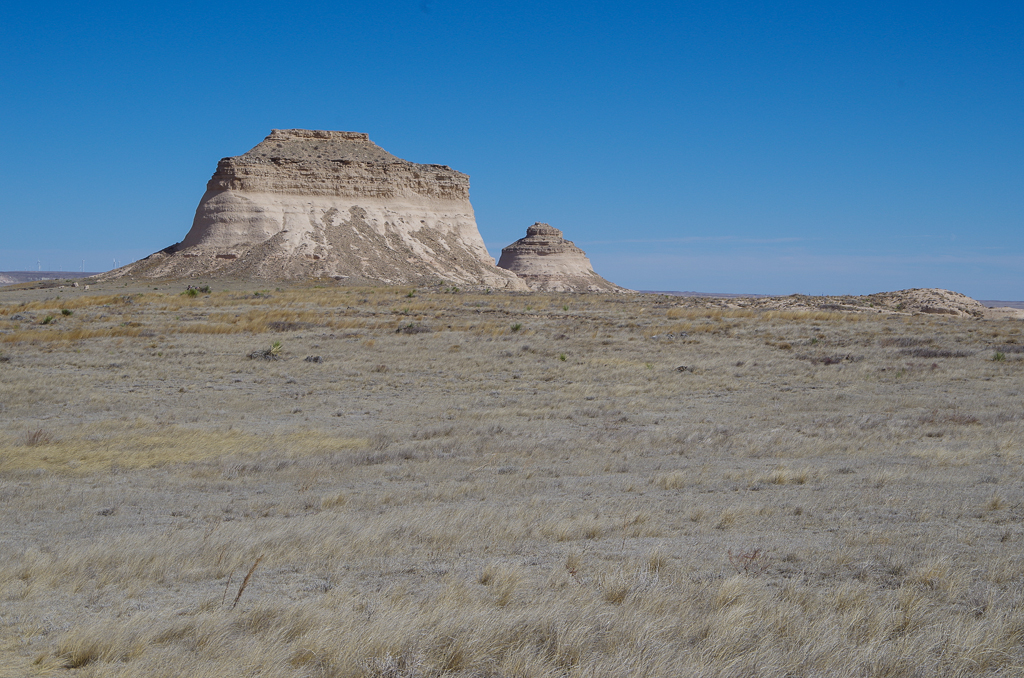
x=38 y=437
x=748 y=561
x=517 y=326
x=673 y=480
x=47 y=320
x=999 y=357
x=272 y=353
x=66 y=312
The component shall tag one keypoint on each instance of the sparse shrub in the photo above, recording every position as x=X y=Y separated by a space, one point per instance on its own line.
x=333 y=500
x=573 y=563
x=905 y=342
x=272 y=353
x=615 y=588
x=66 y=312
x=935 y=353
x=563 y=357
x=656 y=561
x=748 y=561
x=38 y=437
x=288 y=325
x=412 y=293
x=999 y=357
x=727 y=519
x=673 y=480
x=504 y=579
x=190 y=292
x=995 y=502
x=47 y=320
x=833 y=359
x=952 y=416
x=407 y=664
x=787 y=476
x=488 y=573
x=517 y=326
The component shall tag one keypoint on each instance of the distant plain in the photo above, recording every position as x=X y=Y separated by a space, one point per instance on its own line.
x=324 y=480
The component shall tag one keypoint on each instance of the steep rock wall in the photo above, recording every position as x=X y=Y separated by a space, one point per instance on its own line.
x=308 y=203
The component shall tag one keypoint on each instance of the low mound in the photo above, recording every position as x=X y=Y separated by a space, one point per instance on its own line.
x=908 y=302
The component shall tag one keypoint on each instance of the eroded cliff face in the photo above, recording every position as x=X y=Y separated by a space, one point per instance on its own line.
x=306 y=203
x=550 y=263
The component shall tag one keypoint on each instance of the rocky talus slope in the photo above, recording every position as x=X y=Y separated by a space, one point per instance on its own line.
x=550 y=263
x=309 y=203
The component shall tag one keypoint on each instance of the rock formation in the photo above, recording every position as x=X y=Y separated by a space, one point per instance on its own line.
x=929 y=301
x=307 y=203
x=550 y=263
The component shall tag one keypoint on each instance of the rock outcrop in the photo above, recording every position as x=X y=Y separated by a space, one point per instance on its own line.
x=309 y=203
x=927 y=301
x=550 y=263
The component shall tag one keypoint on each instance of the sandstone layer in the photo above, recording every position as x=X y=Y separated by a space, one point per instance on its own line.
x=310 y=203
x=550 y=263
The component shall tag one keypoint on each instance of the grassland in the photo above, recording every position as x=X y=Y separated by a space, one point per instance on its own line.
x=470 y=484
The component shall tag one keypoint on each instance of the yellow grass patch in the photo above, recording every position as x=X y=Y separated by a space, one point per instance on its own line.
x=101 y=447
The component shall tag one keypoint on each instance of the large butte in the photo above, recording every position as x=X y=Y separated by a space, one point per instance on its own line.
x=311 y=203
x=550 y=263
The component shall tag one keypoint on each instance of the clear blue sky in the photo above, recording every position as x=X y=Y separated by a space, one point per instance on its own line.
x=840 y=147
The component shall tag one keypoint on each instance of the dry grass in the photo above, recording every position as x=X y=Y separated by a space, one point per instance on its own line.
x=463 y=501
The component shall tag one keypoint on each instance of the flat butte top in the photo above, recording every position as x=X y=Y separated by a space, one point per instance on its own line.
x=319 y=147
